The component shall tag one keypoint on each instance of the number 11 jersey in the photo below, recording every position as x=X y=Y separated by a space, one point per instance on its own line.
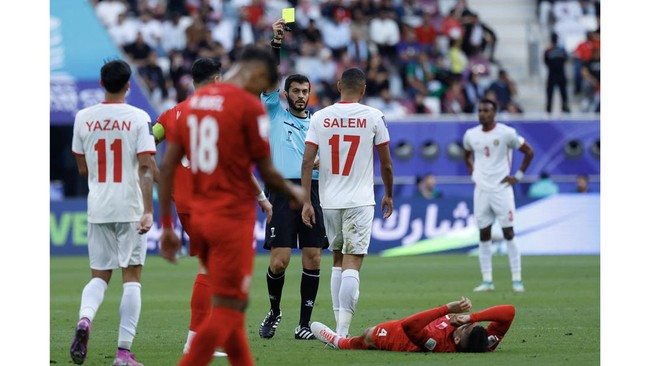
x=110 y=136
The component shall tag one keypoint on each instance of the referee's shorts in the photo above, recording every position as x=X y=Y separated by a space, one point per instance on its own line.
x=286 y=229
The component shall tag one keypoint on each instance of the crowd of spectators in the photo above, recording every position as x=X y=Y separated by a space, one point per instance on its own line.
x=575 y=27
x=417 y=59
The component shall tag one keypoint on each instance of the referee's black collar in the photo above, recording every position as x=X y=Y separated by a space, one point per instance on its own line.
x=305 y=117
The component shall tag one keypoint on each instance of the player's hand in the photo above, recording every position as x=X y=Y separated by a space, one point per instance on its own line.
x=267 y=208
x=387 y=206
x=459 y=319
x=316 y=164
x=308 y=215
x=461 y=306
x=170 y=244
x=278 y=29
x=510 y=180
x=146 y=221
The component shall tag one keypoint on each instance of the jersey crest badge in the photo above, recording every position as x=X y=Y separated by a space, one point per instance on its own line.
x=430 y=344
x=496 y=142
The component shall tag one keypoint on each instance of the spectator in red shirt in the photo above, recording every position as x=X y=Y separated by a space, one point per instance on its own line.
x=426 y=33
x=583 y=54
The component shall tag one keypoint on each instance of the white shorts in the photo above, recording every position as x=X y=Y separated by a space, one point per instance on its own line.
x=115 y=245
x=489 y=206
x=348 y=229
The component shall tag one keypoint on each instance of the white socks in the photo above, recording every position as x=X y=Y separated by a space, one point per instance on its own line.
x=485 y=259
x=129 y=314
x=348 y=297
x=514 y=255
x=92 y=297
x=335 y=288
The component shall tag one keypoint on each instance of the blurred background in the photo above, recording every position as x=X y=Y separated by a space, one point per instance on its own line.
x=428 y=63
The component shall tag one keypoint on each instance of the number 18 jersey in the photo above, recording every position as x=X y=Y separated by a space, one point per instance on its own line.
x=223 y=130
x=110 y=136
x=345 y=134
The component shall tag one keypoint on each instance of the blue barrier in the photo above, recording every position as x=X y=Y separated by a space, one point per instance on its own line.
x=560 y=224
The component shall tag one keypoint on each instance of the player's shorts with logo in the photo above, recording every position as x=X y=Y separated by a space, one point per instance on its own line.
x=115 y=245
x=225 y=247
x=348 y=229
x=286 y=229
x=491 y=206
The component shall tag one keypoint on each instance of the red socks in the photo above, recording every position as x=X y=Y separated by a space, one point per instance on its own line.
x=223 y=329
x=352 y=343
x=201 y=301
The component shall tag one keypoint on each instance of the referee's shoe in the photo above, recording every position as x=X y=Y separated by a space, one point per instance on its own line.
x=270 y=324
x=303 y=333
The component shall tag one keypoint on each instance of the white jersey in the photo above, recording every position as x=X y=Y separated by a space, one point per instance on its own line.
x=492 y=154
x=110 y=136
x=346 y=134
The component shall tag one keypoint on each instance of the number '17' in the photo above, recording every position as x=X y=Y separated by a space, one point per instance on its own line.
x=334 y=143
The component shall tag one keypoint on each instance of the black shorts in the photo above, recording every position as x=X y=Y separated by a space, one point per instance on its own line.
x=286 y=229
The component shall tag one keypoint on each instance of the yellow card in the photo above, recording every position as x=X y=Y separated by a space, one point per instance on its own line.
x=289 y=15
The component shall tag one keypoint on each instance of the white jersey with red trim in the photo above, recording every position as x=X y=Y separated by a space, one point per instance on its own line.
x=346 y=134
x=110 y=136
x=492 y=154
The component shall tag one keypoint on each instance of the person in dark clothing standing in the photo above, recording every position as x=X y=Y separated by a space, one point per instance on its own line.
x=555 y=57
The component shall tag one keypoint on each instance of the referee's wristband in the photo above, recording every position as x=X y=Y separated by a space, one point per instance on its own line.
x=261 y=197
x=166 y=221
x=519 y=174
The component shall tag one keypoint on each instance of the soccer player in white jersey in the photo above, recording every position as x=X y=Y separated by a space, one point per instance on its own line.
x=113 y=143
x=345 y=134
x=488 y=156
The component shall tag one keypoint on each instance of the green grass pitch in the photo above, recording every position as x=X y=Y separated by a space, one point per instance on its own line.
x=557 y=321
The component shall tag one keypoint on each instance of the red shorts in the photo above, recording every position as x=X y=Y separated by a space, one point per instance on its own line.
x=390 y=336
x=225 y=248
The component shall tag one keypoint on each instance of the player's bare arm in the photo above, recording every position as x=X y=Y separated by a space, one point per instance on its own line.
x=146 y=172
x=469 y=161
x=262 y=200
x=528 y=152
x=169 y=242
x=274 y=181
x=308 y=214
x=386 y=168
x=82 y=167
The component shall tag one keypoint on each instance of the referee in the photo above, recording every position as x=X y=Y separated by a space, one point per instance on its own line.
x=286 y=230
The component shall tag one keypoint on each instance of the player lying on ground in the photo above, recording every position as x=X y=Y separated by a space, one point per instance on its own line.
x=433 y=330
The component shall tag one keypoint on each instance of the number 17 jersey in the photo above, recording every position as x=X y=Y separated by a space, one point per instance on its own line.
x=345 y=134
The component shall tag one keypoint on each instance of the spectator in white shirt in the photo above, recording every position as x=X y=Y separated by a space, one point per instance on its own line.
x=336 y=34
x=108 y=10
x=124 y=30
x=151 y=29
x=384 y=33
x=173 y=35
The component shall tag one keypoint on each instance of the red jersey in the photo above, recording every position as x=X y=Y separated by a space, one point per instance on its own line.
x=182 y=176
x=418 y=333
x=223 y=129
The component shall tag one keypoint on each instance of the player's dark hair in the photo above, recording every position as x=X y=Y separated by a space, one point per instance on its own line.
x=115 y=74
x=353 y=79
x=490 y=101
x=295 y=78
x=204 y=69
x=252 y=53
x=477 y=341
